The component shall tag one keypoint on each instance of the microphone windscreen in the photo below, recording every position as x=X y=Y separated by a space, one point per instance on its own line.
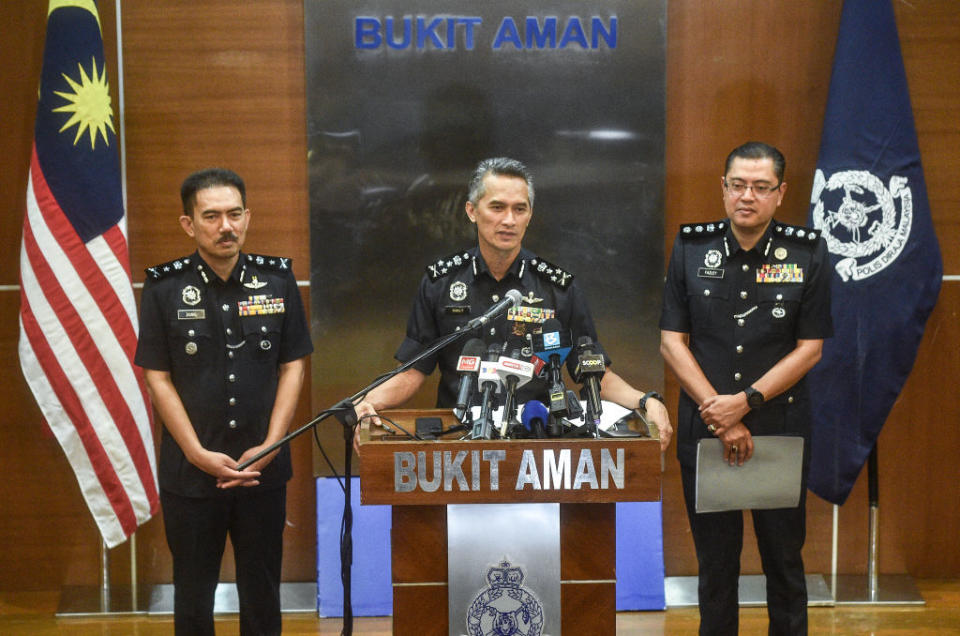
x=534 y=410
x=473 y=347
x=551 y=325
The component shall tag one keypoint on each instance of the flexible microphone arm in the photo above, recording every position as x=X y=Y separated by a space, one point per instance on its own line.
x=344 y=411
x=347 y=404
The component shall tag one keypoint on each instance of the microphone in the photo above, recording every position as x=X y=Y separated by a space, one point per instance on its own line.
x=468 y=366
x=511 y=299
x=553 y=340
x=552 y=345
x=489 y=387
x=534 y=416
x=513 y=373
x=589 y=370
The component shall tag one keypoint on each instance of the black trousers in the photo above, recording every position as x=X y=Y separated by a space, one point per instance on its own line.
x=196 y=531
x=718 y=538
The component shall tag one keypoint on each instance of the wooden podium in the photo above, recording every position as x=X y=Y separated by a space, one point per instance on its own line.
x=624 y=469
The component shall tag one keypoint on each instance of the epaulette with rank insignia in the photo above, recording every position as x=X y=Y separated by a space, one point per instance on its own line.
x=796 y=232
x=165 y=269
x=697 y=230
x=556 y=275
x=278 y=263
x=443 y=266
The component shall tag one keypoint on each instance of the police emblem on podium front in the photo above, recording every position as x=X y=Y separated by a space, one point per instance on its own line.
x=505 y=608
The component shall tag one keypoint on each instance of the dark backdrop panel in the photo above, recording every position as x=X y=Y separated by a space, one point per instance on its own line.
x=394 y=133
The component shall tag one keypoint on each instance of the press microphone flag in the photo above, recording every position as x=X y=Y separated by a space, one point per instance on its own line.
x=468 y=366
x=514 y=374
x=553 y=340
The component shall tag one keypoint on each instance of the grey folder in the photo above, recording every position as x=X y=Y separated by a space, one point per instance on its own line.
x=770 y=479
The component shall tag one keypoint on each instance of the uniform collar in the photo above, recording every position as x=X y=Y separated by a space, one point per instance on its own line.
x=731 y=246
x=516 y=268
x=208 y=276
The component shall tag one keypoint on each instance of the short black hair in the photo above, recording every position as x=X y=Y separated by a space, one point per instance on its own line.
x=209 y=178
x=758 y=150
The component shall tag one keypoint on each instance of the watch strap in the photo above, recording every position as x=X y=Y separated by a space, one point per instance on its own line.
x=646 y=396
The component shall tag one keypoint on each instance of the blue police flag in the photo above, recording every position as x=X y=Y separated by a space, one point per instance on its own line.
x=869 y=201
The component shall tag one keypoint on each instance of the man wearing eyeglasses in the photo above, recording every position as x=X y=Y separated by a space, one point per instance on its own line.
x=746 y=306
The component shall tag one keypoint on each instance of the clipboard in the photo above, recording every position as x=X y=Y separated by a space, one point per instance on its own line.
x=770 y=479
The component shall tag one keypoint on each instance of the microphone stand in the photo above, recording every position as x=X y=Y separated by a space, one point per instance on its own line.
x=344 y=412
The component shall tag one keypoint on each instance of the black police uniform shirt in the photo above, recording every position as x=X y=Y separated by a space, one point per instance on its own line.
x=222 y=343
x=457 y=288
x=745 y=311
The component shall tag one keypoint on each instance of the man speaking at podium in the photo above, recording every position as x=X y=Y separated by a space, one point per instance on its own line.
x=461 y=286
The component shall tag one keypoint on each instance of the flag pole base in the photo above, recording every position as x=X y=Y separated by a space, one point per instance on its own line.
x=681 y=591
x=78 y=601
x=889 y=589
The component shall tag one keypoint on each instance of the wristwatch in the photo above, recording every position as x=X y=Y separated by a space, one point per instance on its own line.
x=754 y=397
x=649 y=394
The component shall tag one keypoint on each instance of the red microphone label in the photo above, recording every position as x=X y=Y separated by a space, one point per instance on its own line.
x=468 y=363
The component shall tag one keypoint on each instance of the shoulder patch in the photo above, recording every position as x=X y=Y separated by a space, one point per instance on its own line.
x=697 y=230
x=166 y=269
x=277 y=263
x=443 y=266
x=796 y=233
x=548 y=271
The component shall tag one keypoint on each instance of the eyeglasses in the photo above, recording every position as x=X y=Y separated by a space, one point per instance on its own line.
x=760 y=190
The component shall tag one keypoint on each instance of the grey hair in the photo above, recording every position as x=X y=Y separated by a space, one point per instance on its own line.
x=499 y=166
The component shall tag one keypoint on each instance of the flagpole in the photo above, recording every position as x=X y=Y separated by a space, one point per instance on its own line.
x=873 y=589
x=104 y=578
x=122 y=141
x=834 y=551
x=121 y=115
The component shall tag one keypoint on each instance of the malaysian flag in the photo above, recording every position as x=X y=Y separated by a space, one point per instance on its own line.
x=78 y=322
x=870 y=203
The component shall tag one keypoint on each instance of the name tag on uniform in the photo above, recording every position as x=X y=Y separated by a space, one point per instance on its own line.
x=191 y=314
x=709 y=272
x=777 y=273
x=456 y=310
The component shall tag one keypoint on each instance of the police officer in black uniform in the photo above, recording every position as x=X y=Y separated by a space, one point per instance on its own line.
x=464 y=285
x=746 y=306
x=223 y=344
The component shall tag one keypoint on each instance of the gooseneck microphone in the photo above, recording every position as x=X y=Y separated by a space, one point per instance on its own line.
x=534 y=418
x=552 y=345
x=468 y=366
x=514 y=373
x=489 y=387
x=589 y=370
x=511 y=299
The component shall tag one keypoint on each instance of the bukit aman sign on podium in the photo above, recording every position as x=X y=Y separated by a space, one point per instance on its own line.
x=521 y=531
